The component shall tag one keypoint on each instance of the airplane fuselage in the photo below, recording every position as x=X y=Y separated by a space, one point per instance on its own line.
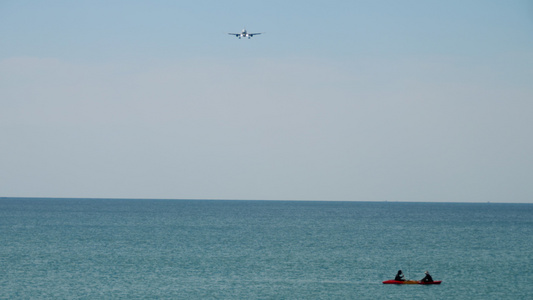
x=244 y=34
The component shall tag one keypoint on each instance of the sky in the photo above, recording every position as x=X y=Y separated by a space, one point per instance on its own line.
x=385 y=100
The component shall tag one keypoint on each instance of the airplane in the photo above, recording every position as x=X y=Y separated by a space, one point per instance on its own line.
x=244 y=33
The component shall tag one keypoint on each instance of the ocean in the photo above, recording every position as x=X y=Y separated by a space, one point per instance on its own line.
x=219 y=249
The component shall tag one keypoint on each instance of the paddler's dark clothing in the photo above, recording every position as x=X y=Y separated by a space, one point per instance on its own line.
x=427 y=278
x=399 y=276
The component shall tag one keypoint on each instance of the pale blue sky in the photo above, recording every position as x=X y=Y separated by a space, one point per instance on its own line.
x=338 y=100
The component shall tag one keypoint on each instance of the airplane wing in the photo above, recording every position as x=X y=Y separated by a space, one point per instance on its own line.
x=252 y=34
x=235 y=34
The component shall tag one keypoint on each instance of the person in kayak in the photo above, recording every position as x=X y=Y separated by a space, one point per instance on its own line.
x=399 y=276
x=428 y=278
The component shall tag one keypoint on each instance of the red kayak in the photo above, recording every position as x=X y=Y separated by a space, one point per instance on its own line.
x=410 y=282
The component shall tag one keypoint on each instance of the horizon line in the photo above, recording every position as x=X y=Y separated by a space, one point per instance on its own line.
x=279 y=200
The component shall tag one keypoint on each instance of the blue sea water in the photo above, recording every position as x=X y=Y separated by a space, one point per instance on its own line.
x=200 y=249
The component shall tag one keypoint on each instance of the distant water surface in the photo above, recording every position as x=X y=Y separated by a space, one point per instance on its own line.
x=200 y=249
